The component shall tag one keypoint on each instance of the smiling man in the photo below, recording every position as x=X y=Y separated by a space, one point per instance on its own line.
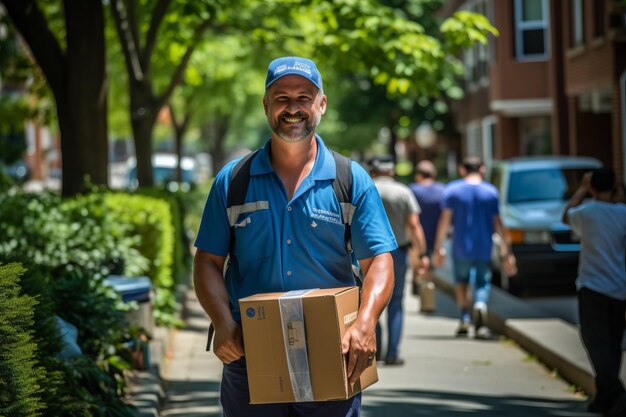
x=291 y=236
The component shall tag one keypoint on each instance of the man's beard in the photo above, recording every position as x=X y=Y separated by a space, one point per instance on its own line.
x=296 y=136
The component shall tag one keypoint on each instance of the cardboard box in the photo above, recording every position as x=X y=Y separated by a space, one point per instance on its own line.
x=297 y=357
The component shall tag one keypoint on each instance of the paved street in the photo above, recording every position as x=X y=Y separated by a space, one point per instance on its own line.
x=443 y=376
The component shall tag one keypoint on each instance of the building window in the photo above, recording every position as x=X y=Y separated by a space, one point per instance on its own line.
x=598 y=19
x=473 y=139
x=531 y=29
x=477 y=58
x=577 y=33
x=535 y=135
x=488 y=139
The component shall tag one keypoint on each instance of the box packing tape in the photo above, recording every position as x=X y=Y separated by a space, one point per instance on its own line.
x=294 y=337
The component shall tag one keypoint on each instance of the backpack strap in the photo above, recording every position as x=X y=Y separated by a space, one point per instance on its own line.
x=343 y=190
x=342 y=185
x=237 y=189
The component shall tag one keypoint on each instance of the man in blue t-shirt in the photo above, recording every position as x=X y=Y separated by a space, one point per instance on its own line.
x=290 y=236
x=470 y=204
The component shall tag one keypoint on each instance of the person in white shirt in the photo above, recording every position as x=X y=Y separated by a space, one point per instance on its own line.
x=601 y=284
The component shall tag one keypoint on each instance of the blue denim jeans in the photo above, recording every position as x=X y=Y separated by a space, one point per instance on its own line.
x=476 y=273
x=395 y=310
x=235 y=400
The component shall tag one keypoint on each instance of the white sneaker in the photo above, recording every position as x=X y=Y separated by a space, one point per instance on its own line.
x=479 y=315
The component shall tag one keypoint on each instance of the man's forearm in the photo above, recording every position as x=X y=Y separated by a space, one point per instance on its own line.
x=210 y=288
x=574 y=201
x=442 y=228
x=416 y=232
x=377 y=286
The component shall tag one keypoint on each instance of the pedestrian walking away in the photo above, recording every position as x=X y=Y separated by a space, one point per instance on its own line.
x=470 y=205
x=289 y=235
x=601 y=284
x=403 y=213
x=429 y=194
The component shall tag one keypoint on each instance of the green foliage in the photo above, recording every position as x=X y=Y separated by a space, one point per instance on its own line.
x=89 y=385
x=99 y=234
x=94 y=392
x=151 y=219
x=66 y=235
x=55 y=393
x=464 y=29
x=20 y=373
x=92 y=307
x=24 y=94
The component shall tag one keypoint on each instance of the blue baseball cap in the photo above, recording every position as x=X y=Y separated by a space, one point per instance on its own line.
x=293 y=65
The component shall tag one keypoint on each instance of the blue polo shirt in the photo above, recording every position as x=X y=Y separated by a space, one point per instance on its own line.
x=297 y=244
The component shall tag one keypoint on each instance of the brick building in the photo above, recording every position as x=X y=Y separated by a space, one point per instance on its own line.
x=552 y=82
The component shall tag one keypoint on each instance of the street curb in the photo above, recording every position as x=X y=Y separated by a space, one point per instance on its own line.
x=552 y=341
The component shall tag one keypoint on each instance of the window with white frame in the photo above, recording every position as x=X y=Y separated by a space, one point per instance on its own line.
x=531 y=29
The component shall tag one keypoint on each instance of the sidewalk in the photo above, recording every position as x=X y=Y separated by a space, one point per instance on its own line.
x=554 y=342
x=443 y=375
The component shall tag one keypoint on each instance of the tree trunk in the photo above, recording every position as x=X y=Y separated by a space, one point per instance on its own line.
x=85 y=146
x=78 y=81
x=214 y=134
x=144 y=113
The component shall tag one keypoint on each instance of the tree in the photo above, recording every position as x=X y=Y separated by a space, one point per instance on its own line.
x=74 y=66
x=130 y=17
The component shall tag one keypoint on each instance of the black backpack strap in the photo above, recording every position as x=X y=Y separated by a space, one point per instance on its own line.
x=237 y=189
x=343 y=190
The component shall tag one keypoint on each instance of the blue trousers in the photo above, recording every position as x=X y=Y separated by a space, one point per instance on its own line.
x=235 y=399
x=395 y=310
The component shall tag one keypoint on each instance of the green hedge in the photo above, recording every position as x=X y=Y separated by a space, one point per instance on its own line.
x=99 y=234
x=63 y=235
x=151 y=219
x=21 y=377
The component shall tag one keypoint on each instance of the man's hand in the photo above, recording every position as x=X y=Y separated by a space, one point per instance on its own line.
x=424 y=265
x=359 y=344
x=509 y=265
x=228 y=342
x=439 y=256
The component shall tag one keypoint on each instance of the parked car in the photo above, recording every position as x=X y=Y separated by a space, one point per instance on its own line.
x=19 y=171
x=533 y=194
x=164 y=172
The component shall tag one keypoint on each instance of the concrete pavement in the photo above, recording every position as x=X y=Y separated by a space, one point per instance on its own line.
x=442 y=376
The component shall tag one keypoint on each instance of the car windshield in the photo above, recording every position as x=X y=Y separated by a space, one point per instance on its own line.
x=544 y=184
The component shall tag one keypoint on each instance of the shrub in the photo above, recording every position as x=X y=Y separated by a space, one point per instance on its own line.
x=66 y=234
x=151 y=220
x=21 y=378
